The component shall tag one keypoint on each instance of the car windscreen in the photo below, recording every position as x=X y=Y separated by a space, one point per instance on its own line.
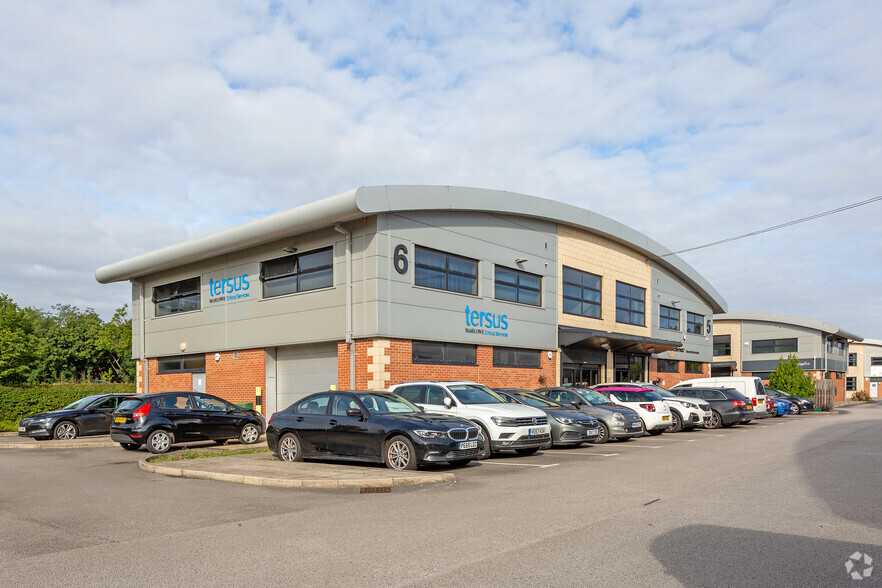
x=593 y=397
x=129 y=404
x=82 y=402
x=471 y=394
x=665 y=394
x=538 y=401
x=387 y=404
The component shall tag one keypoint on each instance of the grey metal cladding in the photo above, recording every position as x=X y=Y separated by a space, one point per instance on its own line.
x=786 y=320
x=666 y=289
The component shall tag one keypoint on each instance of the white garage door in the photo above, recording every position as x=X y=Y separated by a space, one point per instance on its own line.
x=304 y=369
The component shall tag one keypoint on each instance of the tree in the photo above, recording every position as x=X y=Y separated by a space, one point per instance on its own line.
x=115 y=341
x=69 y=344
x=19 y=347
x=789 y=377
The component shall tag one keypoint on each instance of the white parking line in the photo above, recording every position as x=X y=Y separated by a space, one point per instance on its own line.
x=577 y=453
x=526 y=465
x=644 y=446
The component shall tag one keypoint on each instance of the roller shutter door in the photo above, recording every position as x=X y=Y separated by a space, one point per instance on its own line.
x=304 y=369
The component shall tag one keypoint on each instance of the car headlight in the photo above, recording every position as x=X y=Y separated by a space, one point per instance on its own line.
x=565 y=420
x=429 y=434
x=618 y=416
x=689 y=405
x=504 y=421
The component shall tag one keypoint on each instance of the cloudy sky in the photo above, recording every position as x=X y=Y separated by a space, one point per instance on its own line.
x=129 y=126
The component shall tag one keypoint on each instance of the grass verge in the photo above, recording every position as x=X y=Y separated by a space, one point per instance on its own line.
x=204 y=453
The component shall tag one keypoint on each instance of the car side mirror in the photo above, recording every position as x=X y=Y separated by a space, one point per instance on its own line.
x=448 y=402
x=353 y=412
x=576 y=403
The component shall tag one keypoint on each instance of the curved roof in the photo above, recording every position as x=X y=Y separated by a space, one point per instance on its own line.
x=785 y=319
x=369 y=200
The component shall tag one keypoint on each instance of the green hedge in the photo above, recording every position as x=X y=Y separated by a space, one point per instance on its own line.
x=17 y=402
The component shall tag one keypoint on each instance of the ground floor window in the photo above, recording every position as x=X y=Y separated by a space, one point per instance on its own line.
x=181 y=363
x=850 y=384
x=693 y=367
x=669 y=366
x=444 y=353
x=629 y=368
x=513 y=357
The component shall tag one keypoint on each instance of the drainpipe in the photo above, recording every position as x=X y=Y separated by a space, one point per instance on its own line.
x=340 y=229
x=143 y=358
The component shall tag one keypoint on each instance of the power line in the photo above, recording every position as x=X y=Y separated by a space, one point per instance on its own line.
x=781 y=226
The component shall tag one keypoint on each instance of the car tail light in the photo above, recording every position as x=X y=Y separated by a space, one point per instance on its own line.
x=738 y=403
x=143 y=410
x=271 y=420
x=650 y=407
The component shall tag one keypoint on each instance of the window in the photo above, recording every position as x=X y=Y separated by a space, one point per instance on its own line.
x=627 y=367
x=298 y=273
x=517 y=286
x=581 y=293
x=107 y=403
x=511 y=357
x=671 y=366
x=342 y=404
x=668 y=318
x=694 y=323
x=840 y=348
x=182 y=363
x=444 y=353
x=774 y=346
x=852 y=359
x=314 y=405
x=630 y=307
x=829 y=346
x=722 y=345
x=445 y=271
x=693 y=367
x=174 y=401
x=850 y=384
x=209 y=403
x=183 y=296
x=876 y=361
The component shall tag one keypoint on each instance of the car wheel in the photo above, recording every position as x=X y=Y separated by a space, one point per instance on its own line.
x=716 y=420
x=797 y=409
x=602 y=433
x=130 y=446
x=65 y=430
x=399 y=454
x=487 y=450
x=677 y=425
x=159 y=441
x=289 y=448
x=249 y=434
x=527 y=451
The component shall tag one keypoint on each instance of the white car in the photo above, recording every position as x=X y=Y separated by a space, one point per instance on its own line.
x=654 y=412
x=686 y=413
x=521 y=428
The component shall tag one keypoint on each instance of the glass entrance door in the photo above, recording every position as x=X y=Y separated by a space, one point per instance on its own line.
x=581 y=376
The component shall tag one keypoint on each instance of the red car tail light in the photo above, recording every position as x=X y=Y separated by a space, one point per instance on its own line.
x=271 y=420
x=650 y=407
x=143 y=410
x=753 y=401
x=738 y=403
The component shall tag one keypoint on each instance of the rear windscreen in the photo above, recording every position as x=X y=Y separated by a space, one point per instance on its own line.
x=760 y=391
x=129 y=404
x=635 y=395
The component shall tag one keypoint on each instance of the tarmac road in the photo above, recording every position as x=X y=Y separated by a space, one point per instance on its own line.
x=779 y=502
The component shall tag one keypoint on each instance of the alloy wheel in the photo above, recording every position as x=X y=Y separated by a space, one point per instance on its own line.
x=288 y=449
x=250 y=434
x=65 y=431
x=398 y=455
x=160 y=442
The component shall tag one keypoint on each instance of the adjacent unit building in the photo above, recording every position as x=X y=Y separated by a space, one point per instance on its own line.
x=752 y=344
x=385 y=284
x=864 y=368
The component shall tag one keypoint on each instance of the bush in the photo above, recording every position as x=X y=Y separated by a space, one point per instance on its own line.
x=18 y=402
x=860 y=395
x=789 y=377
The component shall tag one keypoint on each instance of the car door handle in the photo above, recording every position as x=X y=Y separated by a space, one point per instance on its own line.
x=299 y=419
x=333 y=422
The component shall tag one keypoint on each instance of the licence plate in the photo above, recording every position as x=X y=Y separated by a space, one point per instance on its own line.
x=636 y=425
x=468 y=445
x=536 y=432
x=119 y=420
x=21 y=429
x=591 y=433
x=666 y=418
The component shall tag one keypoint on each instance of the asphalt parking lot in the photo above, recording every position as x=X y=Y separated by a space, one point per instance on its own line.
x=779 y=502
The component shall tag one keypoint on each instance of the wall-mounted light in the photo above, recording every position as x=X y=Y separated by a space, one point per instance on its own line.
x=289 y=249
x=520 y=260
x=182 y=346
x=675 y=302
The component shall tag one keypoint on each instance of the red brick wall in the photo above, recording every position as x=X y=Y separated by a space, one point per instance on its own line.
x=233 y=380
x=402 y=369
x=670 y=379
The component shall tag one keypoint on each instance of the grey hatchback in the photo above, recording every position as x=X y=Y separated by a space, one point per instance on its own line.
x=569 y=426
x=616 y=421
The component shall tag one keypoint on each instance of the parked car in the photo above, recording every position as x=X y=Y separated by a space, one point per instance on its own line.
x=686 y=414
x=748 y=386
x=616 y=421
x=504 y=426
x=653 y=411
x=800 y=404
x=782 y=406
x=371 y=426
x=91 y=415
x=728 y=406
x=569 y=426
x=167 y=418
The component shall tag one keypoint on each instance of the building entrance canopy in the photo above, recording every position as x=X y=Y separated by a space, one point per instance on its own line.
x=616 y=342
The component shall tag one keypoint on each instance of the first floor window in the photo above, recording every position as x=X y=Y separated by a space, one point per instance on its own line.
x=852 y=359
x=722 y=345
x=182 y=363
x=512 y=357
x=693 y=367
x=775 y=346
x=694 y=323
x=669 y=366
x=517 y=286
x=445 y=271
x=668 y=318
x=444 y=353
x=630 y=304
x=581 y=293
x=182 y=296
x=298 y=273
x=876 y=361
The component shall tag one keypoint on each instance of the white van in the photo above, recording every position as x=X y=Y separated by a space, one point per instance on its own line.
x=749 y=386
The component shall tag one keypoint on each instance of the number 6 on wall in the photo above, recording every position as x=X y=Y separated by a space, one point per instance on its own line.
x=399 y=259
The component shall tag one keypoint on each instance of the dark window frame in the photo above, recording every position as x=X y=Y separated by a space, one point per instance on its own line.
x=784 y=345
x=851 y=384
x=664 y=319
x=628 y=303
x=665 y=365
x=180 y=296
x=517 y=285
x=181 y=360
x=875 y=361
x=693 y=367
x=421 y=266
x=722 y=345
x=275 y=271
x=852 y=360
x=445 y=348
x=692 y=323
x=523 y=358
x=583 y=300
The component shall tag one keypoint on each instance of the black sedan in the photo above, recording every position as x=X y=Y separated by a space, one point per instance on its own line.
x=728 y=407
x=569 y=426
x=800 y=405
x=370 y=426
x=166 y=418
x=91 y=415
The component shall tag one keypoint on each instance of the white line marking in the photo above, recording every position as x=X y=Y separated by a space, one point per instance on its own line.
x=526 y=465
x=691 y=440
x=576 y=453
x=644 y=446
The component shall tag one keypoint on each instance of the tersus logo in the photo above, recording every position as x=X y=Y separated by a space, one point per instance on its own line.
x=486 y=320
x=228 y=289
x=859 y=566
